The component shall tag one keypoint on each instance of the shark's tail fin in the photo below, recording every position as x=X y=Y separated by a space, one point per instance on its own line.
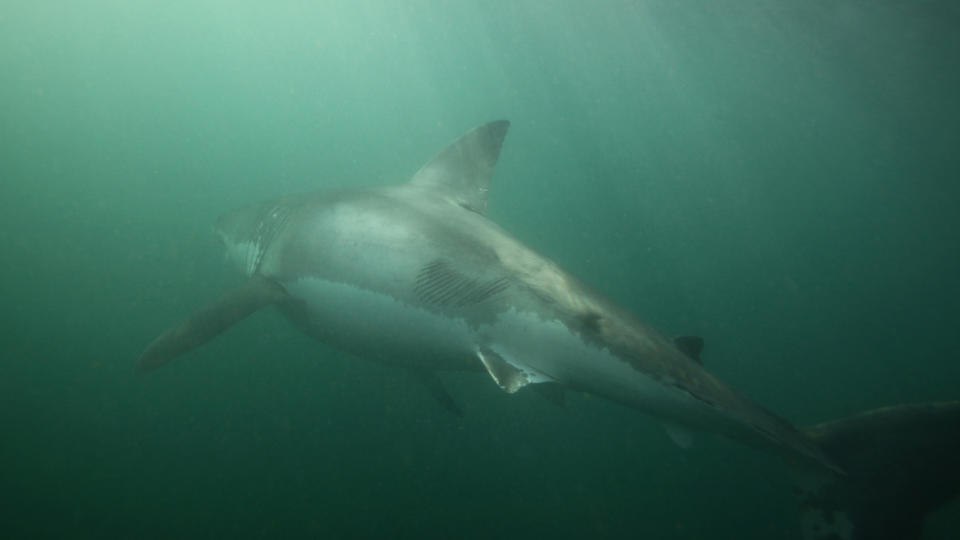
x=900 y=463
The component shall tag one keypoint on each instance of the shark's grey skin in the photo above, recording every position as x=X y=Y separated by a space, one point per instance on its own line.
x=416 y=275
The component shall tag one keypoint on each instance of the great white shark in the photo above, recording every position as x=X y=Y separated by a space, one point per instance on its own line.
x=415 y=275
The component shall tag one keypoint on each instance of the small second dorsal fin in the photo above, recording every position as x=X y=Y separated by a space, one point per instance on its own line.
x=462 y=171
x=690 y=346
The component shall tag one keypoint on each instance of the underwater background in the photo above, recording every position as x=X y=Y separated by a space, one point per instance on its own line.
x=781 y=178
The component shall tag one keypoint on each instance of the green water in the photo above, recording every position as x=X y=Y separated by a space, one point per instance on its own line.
x=778 y=177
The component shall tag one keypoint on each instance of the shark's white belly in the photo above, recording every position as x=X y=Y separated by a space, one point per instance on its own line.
x=377 y=326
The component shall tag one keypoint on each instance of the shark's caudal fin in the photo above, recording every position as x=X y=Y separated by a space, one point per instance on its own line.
x=213 y=319
x=900 y=463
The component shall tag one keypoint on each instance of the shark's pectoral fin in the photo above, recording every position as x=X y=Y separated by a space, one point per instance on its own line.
x=432 y=383
x=508 y=376
x=213 y=319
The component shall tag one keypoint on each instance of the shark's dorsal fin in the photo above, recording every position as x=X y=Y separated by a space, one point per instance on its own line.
x=690 y=346
x=461 y=172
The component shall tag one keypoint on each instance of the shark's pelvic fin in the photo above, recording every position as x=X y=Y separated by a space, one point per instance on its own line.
x=680 y=436
x=432 y=383
x=461 y=172
x=210 y=321
x=900 y=463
